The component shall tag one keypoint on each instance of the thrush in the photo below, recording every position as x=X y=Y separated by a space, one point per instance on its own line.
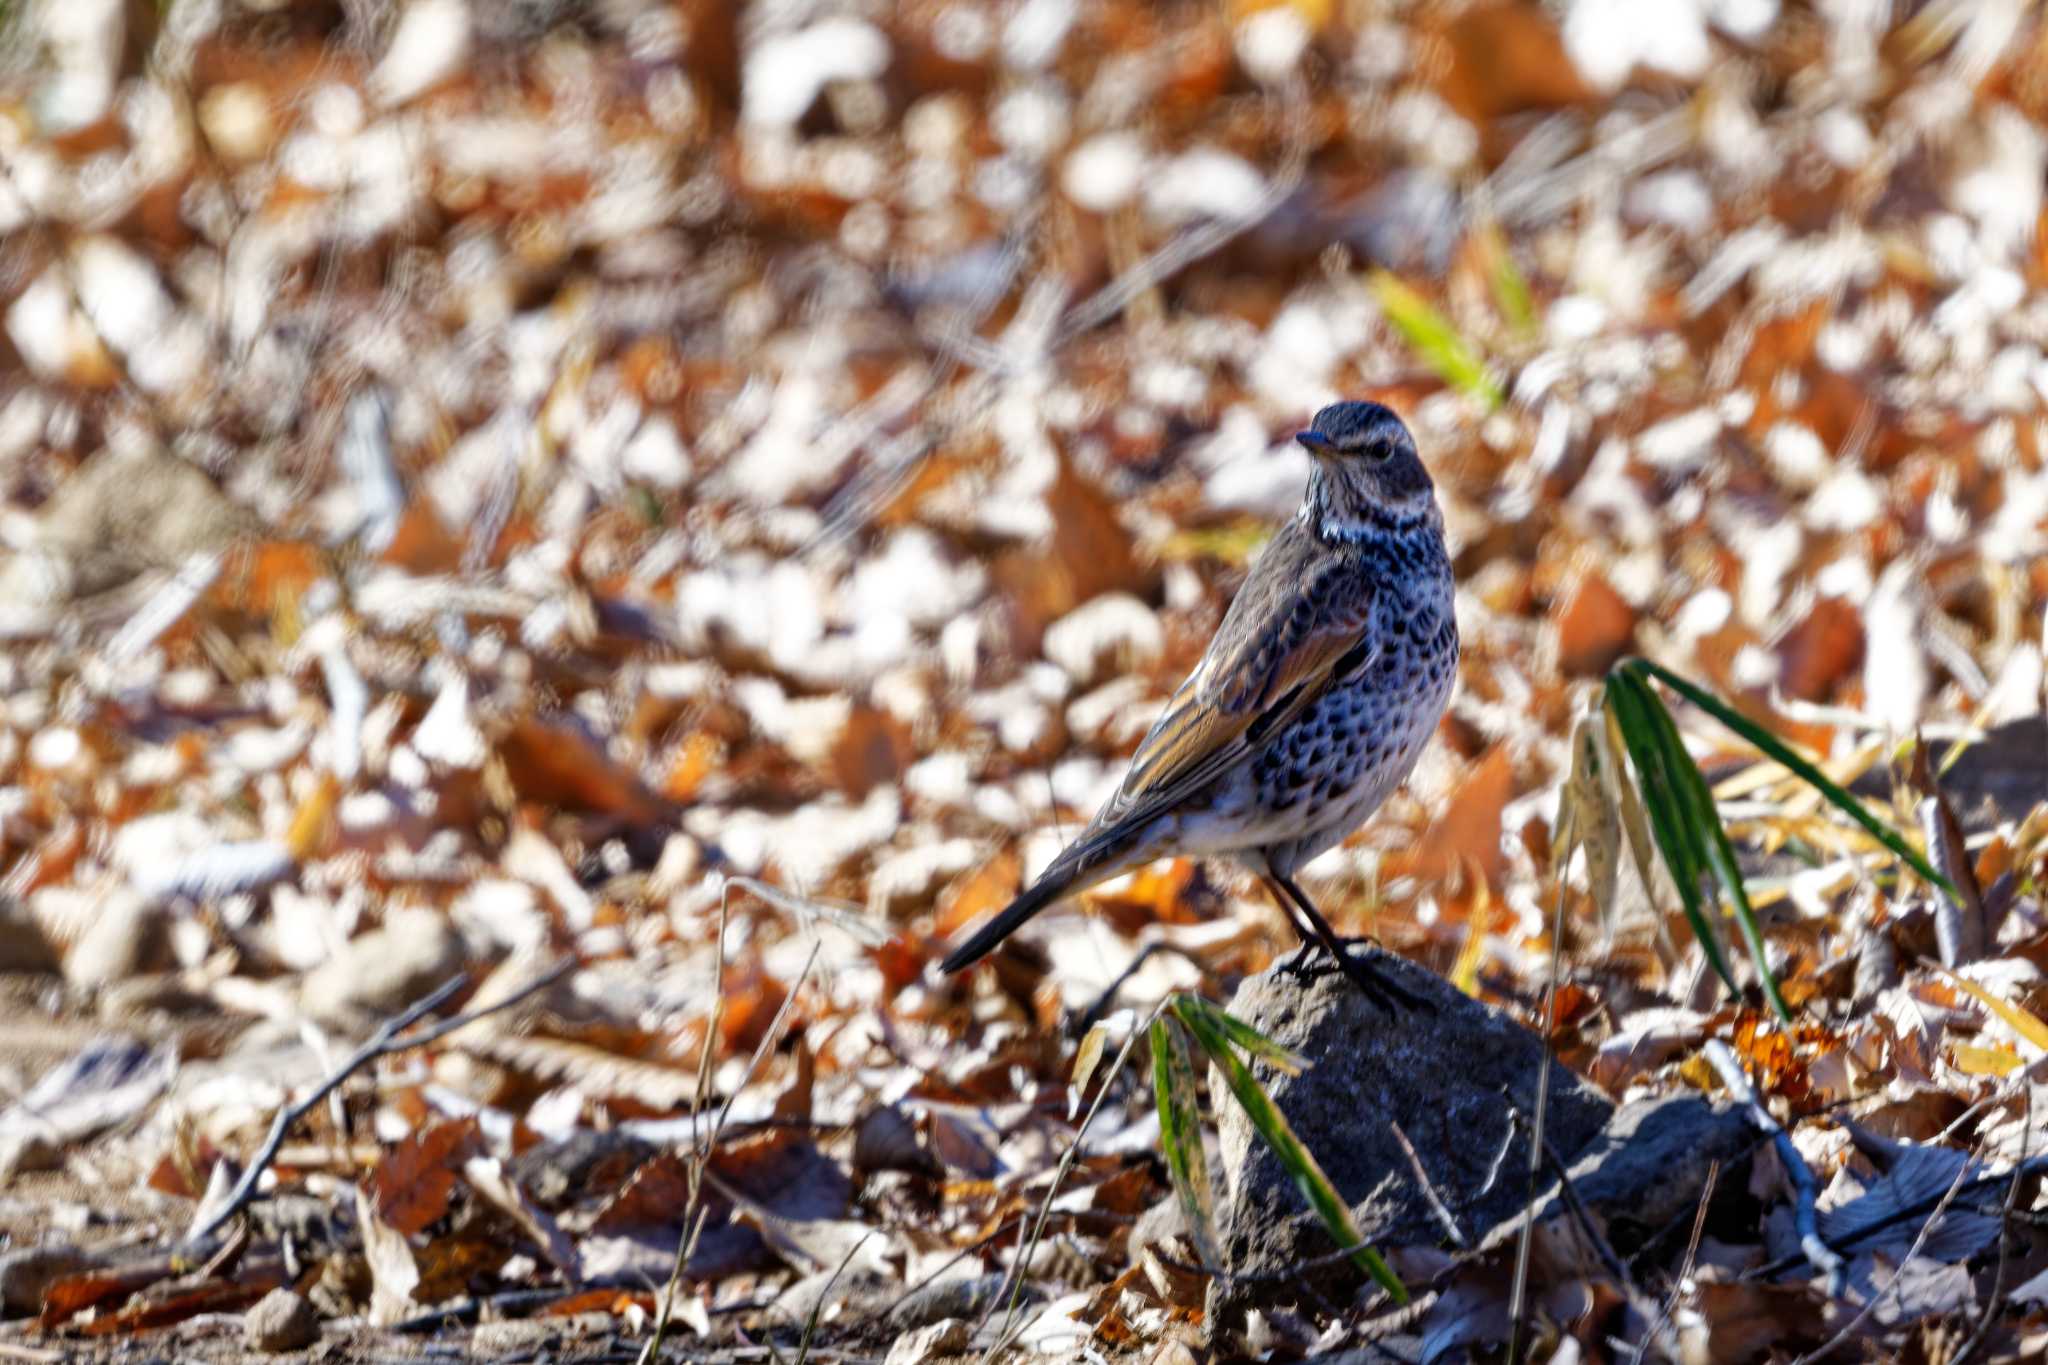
x=1326 y=678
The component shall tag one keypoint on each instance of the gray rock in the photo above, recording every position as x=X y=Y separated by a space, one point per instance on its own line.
x=837 y=1295
x=1641 y=1176
x=968 y=1296
x=381 y=972
x=1440 y=1076
x=2000 y=778
x=127 y=937
x=280 y=1321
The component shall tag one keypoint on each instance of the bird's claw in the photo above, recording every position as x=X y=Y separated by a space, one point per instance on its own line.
x=1314 y=962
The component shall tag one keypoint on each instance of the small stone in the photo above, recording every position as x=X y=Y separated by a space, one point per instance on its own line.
x=966 y=1297
x=280 y=1321
x=1642 y=1174
x=947 y=1337
x=26 y=1274
x=386 y=969
x=126 y=938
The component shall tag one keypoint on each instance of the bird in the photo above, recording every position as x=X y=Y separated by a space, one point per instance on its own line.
x=1324 y=682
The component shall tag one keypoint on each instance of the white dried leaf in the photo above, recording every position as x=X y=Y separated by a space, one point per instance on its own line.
x=428 y=46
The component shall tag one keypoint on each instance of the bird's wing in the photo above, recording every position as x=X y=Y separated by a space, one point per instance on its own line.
x=1301 y=621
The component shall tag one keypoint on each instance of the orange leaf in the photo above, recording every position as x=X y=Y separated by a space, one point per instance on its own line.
x=412 y=1184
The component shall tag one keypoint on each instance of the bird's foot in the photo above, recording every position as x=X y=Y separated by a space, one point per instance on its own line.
x=1376 y=985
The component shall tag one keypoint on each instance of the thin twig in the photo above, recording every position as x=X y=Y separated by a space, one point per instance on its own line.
x=686 y=1240
x=383 y=1043
x=1525 y=1245
x=2032 y=1166
x=1436 y=1203
x=1016 y=1281
x=1805 y=1189
x=803 y=1345
x=1568 y=1195
x=1192 y=245
x=1100 y=1008
x=2012 y=1193
x=960 y=347
x=1692 y=1251
x=1500 y=1158
x=1891 y=1284
x=1290 y=1275
x=1002 y=1229
x=701 y=1156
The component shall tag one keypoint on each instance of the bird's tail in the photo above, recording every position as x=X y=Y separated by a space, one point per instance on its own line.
x=1090 y=859
x=1055 y=883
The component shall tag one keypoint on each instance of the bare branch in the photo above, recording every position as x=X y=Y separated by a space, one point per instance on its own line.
x=383 y=1043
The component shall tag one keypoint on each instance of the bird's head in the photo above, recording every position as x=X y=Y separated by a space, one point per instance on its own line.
x=1366 y=465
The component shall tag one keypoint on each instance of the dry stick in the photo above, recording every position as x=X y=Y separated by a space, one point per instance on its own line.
x=1008 y=1225
x=1518 y=1301
x=2012 y=1192
x=687 y=1244
x=1193 y=245
x=1849 y=1327
x=1806 y=1190
x=2014 y=1084
x=1099 y=1009
x=384 y=1042
x=1436 y=1203
x=1016 y=1280
x=1568 y=1195
x=1500 y=1158
x=964 y=348
x=686 y=1240
x=1692 y=1251
x=803 y=1345
x=1290 y=1275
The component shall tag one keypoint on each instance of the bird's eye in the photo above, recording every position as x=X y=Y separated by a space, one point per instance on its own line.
x=1380 y=450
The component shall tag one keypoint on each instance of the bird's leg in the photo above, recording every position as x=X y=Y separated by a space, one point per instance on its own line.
x=1301 y=929
x=1372 y=985
x=1315 y=933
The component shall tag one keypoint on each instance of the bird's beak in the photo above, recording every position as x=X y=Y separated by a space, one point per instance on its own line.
x=1316 y=443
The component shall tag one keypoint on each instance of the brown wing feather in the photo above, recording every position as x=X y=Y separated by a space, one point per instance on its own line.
x=1300 y=613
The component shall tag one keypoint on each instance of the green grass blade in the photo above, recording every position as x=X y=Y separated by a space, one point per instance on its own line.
x=1180 y=1136
x=1244 y=1035
x=1776 y=748
x=1272 y=1126
x=1430 y=335
x=1702 y=814
x=1510 y=289
x=1629 y=699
